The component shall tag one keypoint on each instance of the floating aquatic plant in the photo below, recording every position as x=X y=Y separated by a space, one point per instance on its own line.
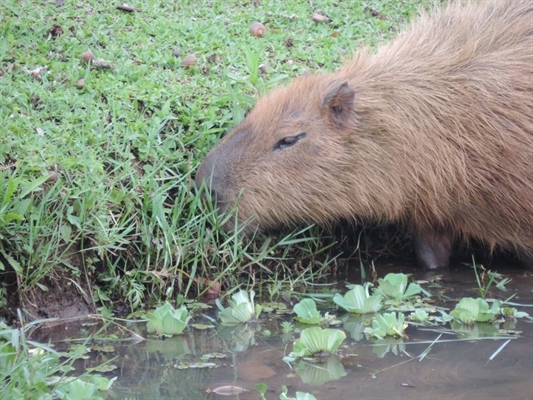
x=387 y=325
x=358 y=300
x=470 y=310
x=307 y=313
x=398 y=288
x=299 y=395
x=263 y=388
x=241 y=309
x=316 y=340
x=420 y=315
x=167 y=321
x=79 y=389
x=511 y=312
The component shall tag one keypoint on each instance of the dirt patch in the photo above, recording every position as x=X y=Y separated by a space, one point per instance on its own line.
x=56 y=296
x=64 y=298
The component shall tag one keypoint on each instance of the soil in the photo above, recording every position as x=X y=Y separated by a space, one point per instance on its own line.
x=63 y=298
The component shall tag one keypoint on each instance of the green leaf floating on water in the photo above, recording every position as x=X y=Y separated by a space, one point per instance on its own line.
x=470 y=310
x=299 y=395
x=168 y=321
x=358 y=300
x=397 y=287
x=317 y=340
x=511 y=312
x=82 y=389
x=387 y=325
x=77 y=389
x=420 y=315
x=307 y=313
x=241 y=309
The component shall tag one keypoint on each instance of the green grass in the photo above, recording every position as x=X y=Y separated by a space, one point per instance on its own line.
x=30 y=370
x=122 y=220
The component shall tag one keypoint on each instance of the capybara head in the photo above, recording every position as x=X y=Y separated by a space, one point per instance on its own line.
x=285 y=163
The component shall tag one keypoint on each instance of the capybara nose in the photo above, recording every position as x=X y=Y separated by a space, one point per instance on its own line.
x=207 y=175
x=204 y=179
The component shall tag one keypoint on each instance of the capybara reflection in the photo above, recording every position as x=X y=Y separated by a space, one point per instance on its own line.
x=433 y=131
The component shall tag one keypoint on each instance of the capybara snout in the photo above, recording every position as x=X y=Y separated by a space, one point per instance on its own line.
x=434 y=131
x=214 y=178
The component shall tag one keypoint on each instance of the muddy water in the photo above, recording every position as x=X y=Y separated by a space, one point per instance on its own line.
x=151 y=369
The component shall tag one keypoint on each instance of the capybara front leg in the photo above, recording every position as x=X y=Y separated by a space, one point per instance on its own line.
x=432 y=249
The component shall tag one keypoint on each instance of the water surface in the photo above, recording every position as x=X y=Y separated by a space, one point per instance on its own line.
x=152 y=369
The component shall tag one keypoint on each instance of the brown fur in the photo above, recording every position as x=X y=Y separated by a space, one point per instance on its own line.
x=434 y=131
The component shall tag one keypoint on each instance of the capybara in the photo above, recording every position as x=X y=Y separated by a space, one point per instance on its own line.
x=433 y=131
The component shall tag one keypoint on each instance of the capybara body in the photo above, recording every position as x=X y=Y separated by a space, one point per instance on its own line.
x=434 y=131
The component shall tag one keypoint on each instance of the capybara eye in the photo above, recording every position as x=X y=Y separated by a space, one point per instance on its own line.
x=288 y=141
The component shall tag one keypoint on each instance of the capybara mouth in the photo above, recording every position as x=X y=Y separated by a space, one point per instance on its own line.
x=227 y=211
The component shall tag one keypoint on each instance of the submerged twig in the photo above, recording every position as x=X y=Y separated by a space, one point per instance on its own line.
x=426 y=352
x=499 y=349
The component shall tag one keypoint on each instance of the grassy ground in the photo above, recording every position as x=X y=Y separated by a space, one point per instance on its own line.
x=96 y=176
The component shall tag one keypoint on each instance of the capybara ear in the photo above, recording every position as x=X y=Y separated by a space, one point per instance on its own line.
x=338 y=101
